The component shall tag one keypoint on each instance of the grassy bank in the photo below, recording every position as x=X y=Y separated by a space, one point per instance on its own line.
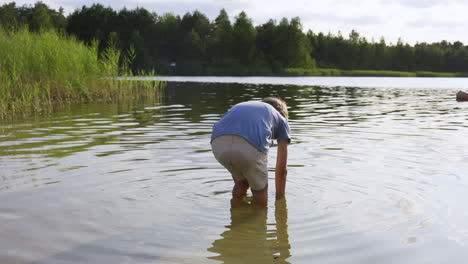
x=368 y=73
x=38 y=71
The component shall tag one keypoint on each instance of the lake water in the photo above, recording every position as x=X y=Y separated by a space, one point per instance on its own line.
x=378 y=173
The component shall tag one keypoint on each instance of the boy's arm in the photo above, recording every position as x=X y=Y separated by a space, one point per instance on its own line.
x=281 y=170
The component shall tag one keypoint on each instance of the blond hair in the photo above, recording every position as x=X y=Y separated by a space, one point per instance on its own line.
x=278 y=104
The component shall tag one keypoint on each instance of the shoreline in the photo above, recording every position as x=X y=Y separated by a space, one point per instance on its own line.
x=371 y=73
x=325 y=72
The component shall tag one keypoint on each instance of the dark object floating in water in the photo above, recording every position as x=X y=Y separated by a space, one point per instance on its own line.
x=462 y=96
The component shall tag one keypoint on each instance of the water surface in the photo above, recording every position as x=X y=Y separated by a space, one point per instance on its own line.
x=376 y=175
x=368 y=82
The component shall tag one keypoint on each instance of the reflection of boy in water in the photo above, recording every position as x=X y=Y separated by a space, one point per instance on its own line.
x=240 y=142
x=248 y=239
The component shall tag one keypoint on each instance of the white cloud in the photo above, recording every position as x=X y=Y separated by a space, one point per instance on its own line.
x=415 y=3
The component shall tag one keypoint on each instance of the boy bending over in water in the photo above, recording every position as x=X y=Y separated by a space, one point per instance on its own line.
x=240 y=142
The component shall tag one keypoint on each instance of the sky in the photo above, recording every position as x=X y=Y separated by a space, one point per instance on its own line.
x=411 y=20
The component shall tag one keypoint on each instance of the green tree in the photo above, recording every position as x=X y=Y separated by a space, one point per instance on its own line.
x=291 y=46
x=134 y=28
x=40 y=19
x=166 y=42
x=221 y=39
x=197 y=22
x=194 y=45
x=9 y=15
x=195 y=30
x=381 y=58
x=265 y=42
x=243 y=47
x=92 y=23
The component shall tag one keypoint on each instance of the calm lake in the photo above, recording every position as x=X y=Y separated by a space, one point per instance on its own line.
x=378 y=173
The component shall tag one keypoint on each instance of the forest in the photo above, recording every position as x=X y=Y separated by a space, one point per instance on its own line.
x=193 y=45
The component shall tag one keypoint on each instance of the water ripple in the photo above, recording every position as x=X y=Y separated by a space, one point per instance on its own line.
x=375 y=176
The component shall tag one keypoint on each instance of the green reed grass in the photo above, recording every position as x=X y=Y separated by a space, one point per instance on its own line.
x=368 y=73
x=40 y=70
x=377 y=73
x=441 y=74
x=301 y=72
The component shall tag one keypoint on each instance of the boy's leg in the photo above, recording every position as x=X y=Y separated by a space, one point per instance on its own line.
x=240 y=188
x=239 y=191
x=260 y=198
x=222 y=149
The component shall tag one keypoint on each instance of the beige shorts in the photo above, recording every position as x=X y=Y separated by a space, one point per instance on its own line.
x=242 y=160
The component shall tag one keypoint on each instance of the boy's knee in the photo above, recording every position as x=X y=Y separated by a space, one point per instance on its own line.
x=260 y=197
x=240 y=188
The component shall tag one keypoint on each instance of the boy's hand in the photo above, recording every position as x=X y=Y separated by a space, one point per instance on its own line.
x=281 y=170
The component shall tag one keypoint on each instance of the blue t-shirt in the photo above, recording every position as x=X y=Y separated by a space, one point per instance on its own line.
x=259 y=123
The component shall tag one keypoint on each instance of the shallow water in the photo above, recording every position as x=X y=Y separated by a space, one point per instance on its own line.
x=376 y=175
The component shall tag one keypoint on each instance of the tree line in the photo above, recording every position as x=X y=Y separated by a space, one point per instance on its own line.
x=193 y=45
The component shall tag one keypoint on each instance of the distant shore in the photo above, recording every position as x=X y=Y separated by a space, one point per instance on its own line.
x=318 y=72
x=368 y=73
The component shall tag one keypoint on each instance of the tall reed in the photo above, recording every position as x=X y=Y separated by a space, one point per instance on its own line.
x=40 y=70
x=367 y=73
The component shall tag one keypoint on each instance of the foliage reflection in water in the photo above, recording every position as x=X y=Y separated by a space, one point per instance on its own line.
x=375 y=175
